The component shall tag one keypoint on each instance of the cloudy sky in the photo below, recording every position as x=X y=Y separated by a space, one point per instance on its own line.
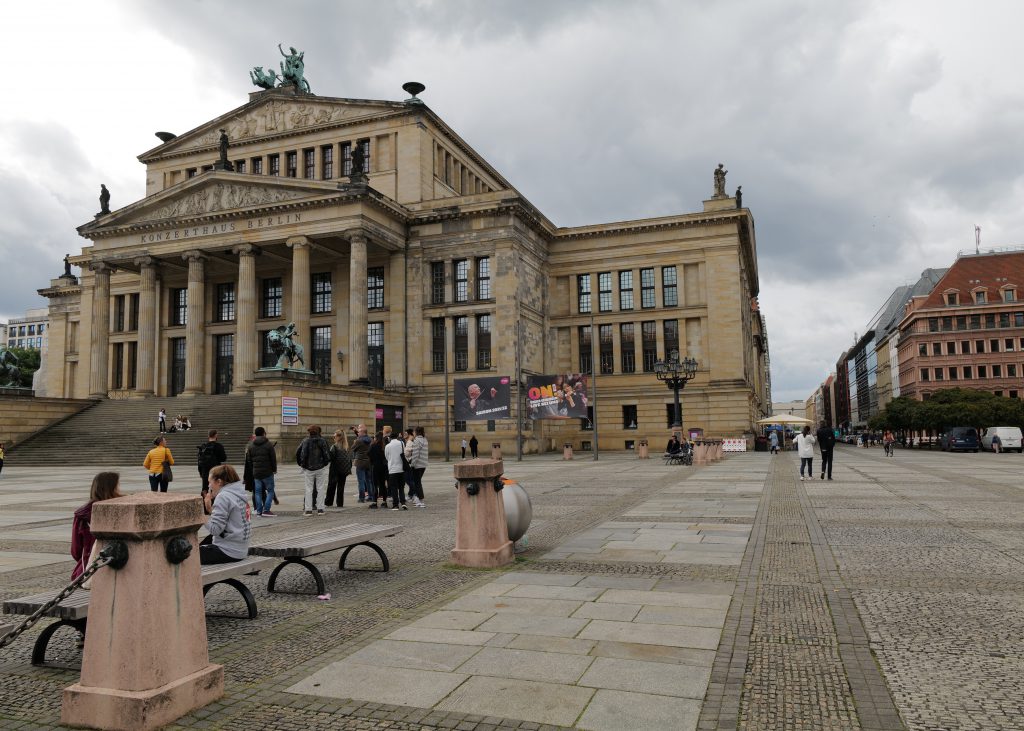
x=869 y=137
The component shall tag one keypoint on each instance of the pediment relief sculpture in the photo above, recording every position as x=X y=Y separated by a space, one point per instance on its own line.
x=220 y=197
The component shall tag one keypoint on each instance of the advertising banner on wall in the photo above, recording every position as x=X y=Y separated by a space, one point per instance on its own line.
x=482 y=399
x=557 y=397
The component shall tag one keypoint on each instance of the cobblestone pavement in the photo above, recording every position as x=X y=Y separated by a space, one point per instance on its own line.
x=889 y=598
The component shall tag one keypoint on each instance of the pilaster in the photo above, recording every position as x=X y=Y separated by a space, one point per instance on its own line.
x=357 y=346
x=99 y=350
x=245 y=317
x=147 y=326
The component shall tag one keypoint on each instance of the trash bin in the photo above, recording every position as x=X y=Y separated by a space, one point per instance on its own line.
x=643 y=452
x=495 y=450
x=567 y=450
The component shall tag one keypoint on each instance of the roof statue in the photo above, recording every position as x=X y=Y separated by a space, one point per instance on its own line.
x=104 y=199
x=739 y=196
x=720 y=173
x=293 y=70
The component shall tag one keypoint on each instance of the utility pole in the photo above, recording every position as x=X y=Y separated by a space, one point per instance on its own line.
x=519 y=393
x=447 y=409
x=593 y=378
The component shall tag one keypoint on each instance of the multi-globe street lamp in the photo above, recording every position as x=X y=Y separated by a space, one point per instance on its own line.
x=675 y=373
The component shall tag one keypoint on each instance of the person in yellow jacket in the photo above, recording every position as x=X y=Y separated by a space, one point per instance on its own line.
x=154 y=463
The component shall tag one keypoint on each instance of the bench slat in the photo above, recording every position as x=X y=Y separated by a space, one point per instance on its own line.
x=323 y=541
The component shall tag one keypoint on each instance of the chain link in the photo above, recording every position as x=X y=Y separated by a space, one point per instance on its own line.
x=67 y=591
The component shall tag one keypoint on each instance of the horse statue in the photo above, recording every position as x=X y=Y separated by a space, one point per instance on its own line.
x=293 y=68
x=263 y=79
x=10 y=374
x=281 y=343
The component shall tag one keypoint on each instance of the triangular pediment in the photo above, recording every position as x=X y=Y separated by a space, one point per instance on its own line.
x=271 y=114
x=214 y=193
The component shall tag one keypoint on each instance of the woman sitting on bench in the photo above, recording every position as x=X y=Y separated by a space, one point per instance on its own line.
x=229 y=525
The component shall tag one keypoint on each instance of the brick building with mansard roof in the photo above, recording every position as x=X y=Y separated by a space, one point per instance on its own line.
x=434 y=261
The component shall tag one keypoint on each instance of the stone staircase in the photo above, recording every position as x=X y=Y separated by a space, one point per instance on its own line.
x=116 y=433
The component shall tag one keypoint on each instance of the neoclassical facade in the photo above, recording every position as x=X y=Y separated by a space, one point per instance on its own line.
x=426 y=262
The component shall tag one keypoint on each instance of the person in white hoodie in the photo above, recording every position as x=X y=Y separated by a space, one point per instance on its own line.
x=230 y=523
x=805 y=447
x=393 y=453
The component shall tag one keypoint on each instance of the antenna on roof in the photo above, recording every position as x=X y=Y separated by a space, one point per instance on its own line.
x=977 y=239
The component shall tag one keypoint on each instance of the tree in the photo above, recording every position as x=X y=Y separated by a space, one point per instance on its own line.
x=28 y=363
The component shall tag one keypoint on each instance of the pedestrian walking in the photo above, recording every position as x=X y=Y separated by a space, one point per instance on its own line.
x=473 y=446
x=773 y=442
x=465 y=444
x=394 y=453
x=805 y=448
x=261 y=464
x=162 y=419
x=211 y=454
x=827 y=445
x=341 y=468
x=997 y=447
x=158 y=462
x=889 y=443
x=416 y=452
x=230 y=523
x=105 y=485
x=361 y=461
x=313 y=458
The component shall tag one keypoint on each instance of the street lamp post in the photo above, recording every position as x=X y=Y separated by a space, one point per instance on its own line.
x=675 y=373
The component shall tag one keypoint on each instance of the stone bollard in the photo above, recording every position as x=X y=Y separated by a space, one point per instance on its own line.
x=643 y=452
x=719 y=451
x=496 y=451
x=481 y=529
x=700 y=453
x=567 y=450
x=145 y=661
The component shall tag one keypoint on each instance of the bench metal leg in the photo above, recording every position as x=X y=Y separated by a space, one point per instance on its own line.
x=39 y=649
x=321 y=587
x=374 y=546
x=250 y=600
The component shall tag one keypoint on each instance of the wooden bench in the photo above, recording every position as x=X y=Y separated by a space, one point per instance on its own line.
x=296 y=549
x=74 y=611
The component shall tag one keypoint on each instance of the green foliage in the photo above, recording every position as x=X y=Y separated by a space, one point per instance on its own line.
x=950 y=407
x=28 y=363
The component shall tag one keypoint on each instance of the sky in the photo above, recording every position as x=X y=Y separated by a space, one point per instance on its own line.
x=869 y=137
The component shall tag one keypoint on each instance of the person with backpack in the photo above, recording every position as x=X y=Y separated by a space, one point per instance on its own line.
x=341 y=468
x=211 y=454
x=314 y=459
x=261 y=464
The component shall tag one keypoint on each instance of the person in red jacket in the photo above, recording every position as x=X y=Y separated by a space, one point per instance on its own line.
x=105 y=485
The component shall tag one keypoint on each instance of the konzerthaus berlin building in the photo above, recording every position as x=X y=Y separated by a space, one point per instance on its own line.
x=430 y=262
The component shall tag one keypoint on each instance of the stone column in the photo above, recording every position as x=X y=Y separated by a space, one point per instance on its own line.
x=357 y=355
x=147 y=326
x=195 y=329
x=99 y=352
x=245 y=319
x=299 y=313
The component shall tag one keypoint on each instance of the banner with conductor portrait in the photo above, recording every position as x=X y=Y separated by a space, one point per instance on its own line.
x=482 y=399
x=557 y=397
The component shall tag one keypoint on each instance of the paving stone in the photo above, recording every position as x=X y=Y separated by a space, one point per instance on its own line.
x=620 y=612
x=654 y=653
x=613 y=710
x=398 y=686
x=702 y=638
x=441 y=636
x=682 y=616
x=666 y=599
x=515 y=605
x=539 y=579
x=533 y=625
x=536 y=702
x=445 y=619
x=586 y=594
x=681 y=681
x=413 y=655
x=552 y=644
x=602 y=581
x=544 y=667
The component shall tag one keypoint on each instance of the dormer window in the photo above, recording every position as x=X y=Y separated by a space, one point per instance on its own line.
x=980 y=297
x=1009 y=294
x=952 y=298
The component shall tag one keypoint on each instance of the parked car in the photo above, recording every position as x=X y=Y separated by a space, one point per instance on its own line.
x=960 y=438
x=1010 y=437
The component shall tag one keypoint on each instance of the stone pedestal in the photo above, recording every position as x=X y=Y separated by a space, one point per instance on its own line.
x=496 y=451
x=145 y=662
x=481 y=529
x=567 y=451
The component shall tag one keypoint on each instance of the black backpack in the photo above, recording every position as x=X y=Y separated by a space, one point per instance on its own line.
x=207 y=454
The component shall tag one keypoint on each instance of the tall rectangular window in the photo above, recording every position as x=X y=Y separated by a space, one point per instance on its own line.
x=629 y=416
x=461 y=324
x=437 y=344
x=274 y=163
x=320 y=358
x=118 y=365
x=119 y=315
x=365 y=146
x=671 y=331
x=375 y=354
x=649 y=344
x=292 y=163
x=669 y=287
x=257 y=165
x=607 y=348
x=375 y=288
x=179 y=306
x=346 y=159
x=626 y=290
x=133 y=364
x=483 y=278
x=628 y=346
x=437 y=282
x=133 y=313
x=327 y=162
x=273 y=295
x=646 y=288
x=586 y=350
x=226 y=302
x=483 y=342
x=322 y=289
x=308 y=163
x=604 y=292
x=240 y=166
x=583 y=292
x=462 y=280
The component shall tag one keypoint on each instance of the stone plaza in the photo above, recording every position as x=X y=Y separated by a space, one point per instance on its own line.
x=729 y=596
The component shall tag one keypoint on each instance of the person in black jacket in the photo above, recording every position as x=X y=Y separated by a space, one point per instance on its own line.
x=313 y=457
x=211 y=454
x=379 y=471
x=341 y=468
x=827 y=443
x=261 y=463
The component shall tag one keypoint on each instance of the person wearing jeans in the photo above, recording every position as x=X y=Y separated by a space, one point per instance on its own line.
x=416 y=453
x=827 y=445
x=263 y=495
x=361 y=461
x=805 y=448
x=261 y=459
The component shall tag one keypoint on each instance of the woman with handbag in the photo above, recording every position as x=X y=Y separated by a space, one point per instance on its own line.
x=158 y=462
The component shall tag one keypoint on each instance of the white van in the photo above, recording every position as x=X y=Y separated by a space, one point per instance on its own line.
x=1009 y=436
